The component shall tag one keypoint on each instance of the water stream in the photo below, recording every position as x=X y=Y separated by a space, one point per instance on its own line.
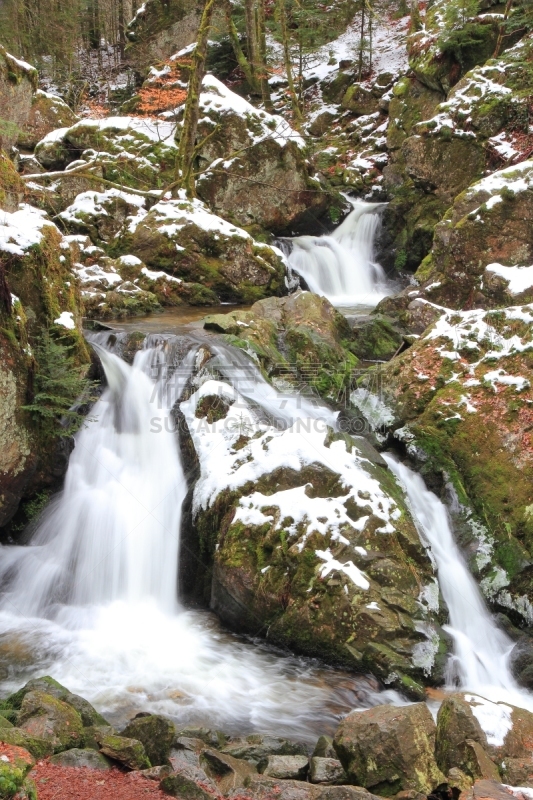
x=480 y=659
x=343 y=266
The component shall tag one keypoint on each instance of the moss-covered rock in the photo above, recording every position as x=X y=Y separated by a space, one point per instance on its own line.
x=129 y=752
x=39 y=748
x=389 y=750
x=47 y=113
x=18 y=81
x=160 y=29
x=156 y=733
x=45 y=717
x=11 y=186
x=184 y=239
x=48 y=685
x=461 y=397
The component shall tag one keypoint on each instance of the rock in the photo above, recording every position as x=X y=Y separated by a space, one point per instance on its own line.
x=390 y=749
x=43 y=716
x=268 y=183
x=189 y=783
x=458 y=780
x=521 y=661
x=321 y=123
x=262 y=788
x=18 y=81
x=455 y=725
x=39 y=748
x=5 y=723
x=227 y=772
x=377 y=338
x=75 y=757
x=286 y=767
x=360 y=101
x=156 y=734
x=129 y=752
x=326 y=770
x=258 y=748
x=102 y=215
x=324 y=748
x=487 y=790
x=185 y=240
x=53 y=152
x=156 y=773
x=11 y=186
x=157 y=31
x=48 y=112
x=89 y=715
x=518 y=771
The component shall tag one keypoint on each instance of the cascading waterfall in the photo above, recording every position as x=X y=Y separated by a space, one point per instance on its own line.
x=480 y=661
x=93 y=599
x=342 y=266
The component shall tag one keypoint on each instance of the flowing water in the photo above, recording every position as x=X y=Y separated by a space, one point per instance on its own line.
x=93 y=599
x=343 y=266
x=480 y=661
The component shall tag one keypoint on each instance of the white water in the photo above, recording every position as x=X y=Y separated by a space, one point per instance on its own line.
x=93 y=599
x=342 y=266
x=480 y=662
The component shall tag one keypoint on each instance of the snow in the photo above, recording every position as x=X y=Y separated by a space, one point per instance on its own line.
x=155 y=276
x=66 y=319
x=495 y=718
x=516 y=179
x=93 y=204
x=218 y=98
x=22 y=229
x=269 y=449
x=356 y=576
x=518 y=278
x=130 y=261
x=501 y=377
x=54 y=136
x=156 y=130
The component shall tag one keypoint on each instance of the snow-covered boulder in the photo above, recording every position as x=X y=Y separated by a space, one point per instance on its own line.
x=186 y=240
x=306 y=531
x=255 y=164
x=47 y=113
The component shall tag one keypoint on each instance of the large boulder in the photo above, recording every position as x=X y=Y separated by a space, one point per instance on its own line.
x=254 y=168
x=388 y=749
x=18 y=81
x=43 y=716
x=16 y=737
x=47 y=113
x=317 y=548
x=183 y=238
x=89 y=715
x=129 y=752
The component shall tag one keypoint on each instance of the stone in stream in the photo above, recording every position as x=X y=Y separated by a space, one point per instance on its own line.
x=90 y=759
x=521 y=661
x=256 y=748
x=286 y=767
x=388 y=749
x=46 y=717
x=156 y=734
x=129 y=752
x=326 y=770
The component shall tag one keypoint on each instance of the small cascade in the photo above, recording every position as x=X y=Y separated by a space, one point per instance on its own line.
x=342 y=266
x=480 y=661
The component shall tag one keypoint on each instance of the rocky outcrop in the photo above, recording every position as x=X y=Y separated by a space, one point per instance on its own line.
x=39 y=294
x=459 y=400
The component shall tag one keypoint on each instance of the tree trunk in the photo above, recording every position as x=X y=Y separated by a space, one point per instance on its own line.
x=251 y=38
x=186 y=150
x=361 y=41
x=262 y=50
x=501 y=34
x=239 y=53
x=282 y=13
x=121 y=27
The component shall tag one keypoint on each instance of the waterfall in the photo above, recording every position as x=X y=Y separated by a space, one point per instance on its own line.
x=93 y=599
x=480 y=661
x=342 y=266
